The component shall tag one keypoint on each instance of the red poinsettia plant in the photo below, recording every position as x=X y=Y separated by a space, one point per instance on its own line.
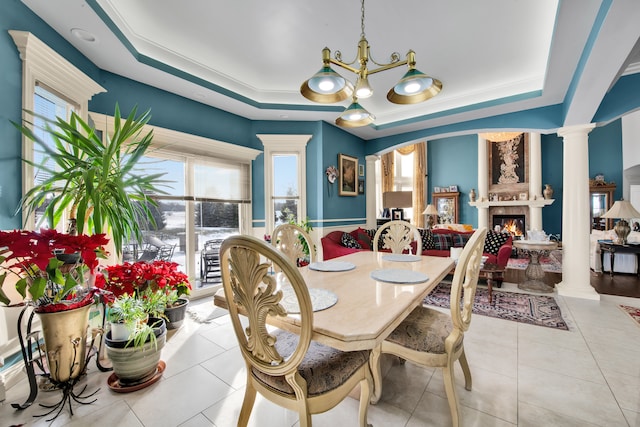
x=156 y=282
x=50 y=267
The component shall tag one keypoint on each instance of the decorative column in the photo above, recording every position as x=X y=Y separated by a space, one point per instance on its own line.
x=535 y=180
x=370 y=190
x=575 y=218
x=483 y=182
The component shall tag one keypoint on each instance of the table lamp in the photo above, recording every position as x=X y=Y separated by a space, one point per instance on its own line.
x=432 y=214
x=396 y=200
x=624 y=210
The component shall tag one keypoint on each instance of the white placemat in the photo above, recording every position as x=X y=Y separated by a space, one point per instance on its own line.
x=401 y=257
x=332 y=266
x=394 y=275
x=321 y=299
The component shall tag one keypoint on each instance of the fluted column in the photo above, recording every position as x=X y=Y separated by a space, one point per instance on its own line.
x=483 y=181
x=370 y=190
x=575 y=209
x=535 y=180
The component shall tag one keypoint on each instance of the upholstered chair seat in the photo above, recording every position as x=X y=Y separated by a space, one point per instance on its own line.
x=323 y=368
x=423 y=330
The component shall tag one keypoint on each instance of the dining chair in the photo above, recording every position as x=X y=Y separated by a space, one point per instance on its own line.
x=294 y=242
x=429 y=337
x=397 y=236
x=288 y=369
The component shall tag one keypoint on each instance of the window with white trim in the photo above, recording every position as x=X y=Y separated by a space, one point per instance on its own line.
x=284 y=178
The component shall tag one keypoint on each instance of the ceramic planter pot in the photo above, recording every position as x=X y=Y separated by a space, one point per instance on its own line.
x=65 y=341
x=132 y=364
x=175 y=315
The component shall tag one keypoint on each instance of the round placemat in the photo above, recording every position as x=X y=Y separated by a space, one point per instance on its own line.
x=401 y=257
x=394 y=275
x=332 y=266
x=321 y=299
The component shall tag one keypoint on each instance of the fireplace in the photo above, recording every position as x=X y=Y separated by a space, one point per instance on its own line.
x=511 y=223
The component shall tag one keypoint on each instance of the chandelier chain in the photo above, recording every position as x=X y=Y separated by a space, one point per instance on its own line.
x=362 y=20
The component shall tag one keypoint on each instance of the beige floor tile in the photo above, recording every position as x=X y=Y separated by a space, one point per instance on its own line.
x=535 y=416
x=493 y=394
x=404 y=384
x=229 y=367
x=633 y=418
x=573 y=397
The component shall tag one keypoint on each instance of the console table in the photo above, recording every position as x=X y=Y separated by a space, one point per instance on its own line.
x=534 y=272
x=613 y=248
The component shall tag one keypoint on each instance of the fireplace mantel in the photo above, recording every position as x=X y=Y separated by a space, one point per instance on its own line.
x=538 y=203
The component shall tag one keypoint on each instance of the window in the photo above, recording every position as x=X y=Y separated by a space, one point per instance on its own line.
x=285 y=178
x=208 y=199
x=52 y=84
x=403 y=178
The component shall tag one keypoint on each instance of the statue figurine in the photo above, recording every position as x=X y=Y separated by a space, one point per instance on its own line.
x=472 y=195
x=547 y=192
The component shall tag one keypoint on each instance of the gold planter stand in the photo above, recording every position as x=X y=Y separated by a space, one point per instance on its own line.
x=65 y=352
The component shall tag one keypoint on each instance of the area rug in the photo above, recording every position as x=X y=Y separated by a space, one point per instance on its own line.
x=549 y=264
x=633 y=312
x=524 y=308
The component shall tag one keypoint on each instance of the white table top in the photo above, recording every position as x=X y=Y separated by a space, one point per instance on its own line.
x=367 y=310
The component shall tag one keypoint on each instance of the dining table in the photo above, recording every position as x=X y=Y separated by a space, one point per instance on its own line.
x=373 y=292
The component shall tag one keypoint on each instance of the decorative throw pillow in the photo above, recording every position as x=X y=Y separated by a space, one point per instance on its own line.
x=348 y=241
x=459 y=240
x=494 y=241
x=442 y=242
x=362 y=237
x=381 y=239
x=427 y=239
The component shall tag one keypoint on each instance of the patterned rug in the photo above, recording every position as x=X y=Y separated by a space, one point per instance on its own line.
x=633 y=312
x=532 y=309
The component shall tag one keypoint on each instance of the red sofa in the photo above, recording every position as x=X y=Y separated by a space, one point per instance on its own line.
x=333 y=248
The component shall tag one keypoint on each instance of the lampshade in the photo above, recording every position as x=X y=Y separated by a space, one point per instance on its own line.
x=621 y=209
x=430 y=210
x=326 y=86
x=414 y=86
x=355 y=116
x=397 y=199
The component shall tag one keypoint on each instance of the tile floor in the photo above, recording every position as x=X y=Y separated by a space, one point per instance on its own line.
x=522 y=375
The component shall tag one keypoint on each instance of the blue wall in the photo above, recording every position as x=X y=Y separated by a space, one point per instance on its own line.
x=454 y=161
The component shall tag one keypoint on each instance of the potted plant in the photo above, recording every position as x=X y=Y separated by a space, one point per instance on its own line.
x=49 y=272
x=158 y=284
x=95 y=181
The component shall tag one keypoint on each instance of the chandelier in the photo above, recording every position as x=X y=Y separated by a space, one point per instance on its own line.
x=327 y=86
x=500 y=136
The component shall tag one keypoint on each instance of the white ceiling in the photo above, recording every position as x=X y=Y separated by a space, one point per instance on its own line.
x=250 y=57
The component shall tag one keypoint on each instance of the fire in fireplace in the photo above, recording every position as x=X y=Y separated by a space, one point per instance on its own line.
x=512 y=224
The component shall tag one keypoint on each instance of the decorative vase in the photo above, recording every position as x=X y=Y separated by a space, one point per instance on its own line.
x=65 y=341
x=133 y=365
x=175 y=315
x=547 y=192
x=472 y=195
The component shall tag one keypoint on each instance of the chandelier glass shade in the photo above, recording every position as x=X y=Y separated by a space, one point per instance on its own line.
x=499 y=136
x=327 y=86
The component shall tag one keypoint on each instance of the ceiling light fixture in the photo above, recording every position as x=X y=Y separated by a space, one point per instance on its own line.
x=327 y=86
x=500 y=136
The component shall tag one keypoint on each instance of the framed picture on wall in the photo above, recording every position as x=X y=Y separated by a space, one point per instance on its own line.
x=397 y=214
x=361 y=186
x=347 y=169
x=361 y=170
x=447 y=206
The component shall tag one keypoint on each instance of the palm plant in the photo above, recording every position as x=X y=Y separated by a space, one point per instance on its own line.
x=96 y=181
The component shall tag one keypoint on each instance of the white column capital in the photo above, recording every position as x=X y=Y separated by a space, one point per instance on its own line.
x=371 y=158
x=576 y=130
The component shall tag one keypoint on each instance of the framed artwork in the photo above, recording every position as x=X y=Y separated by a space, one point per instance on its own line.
x=436 y=189
x=361 y=170
x=447 y=206
x=523 y=196
x=397 y=214
x=453 y=188
x=361 y=186
x=509 y=164
x=347 y=167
